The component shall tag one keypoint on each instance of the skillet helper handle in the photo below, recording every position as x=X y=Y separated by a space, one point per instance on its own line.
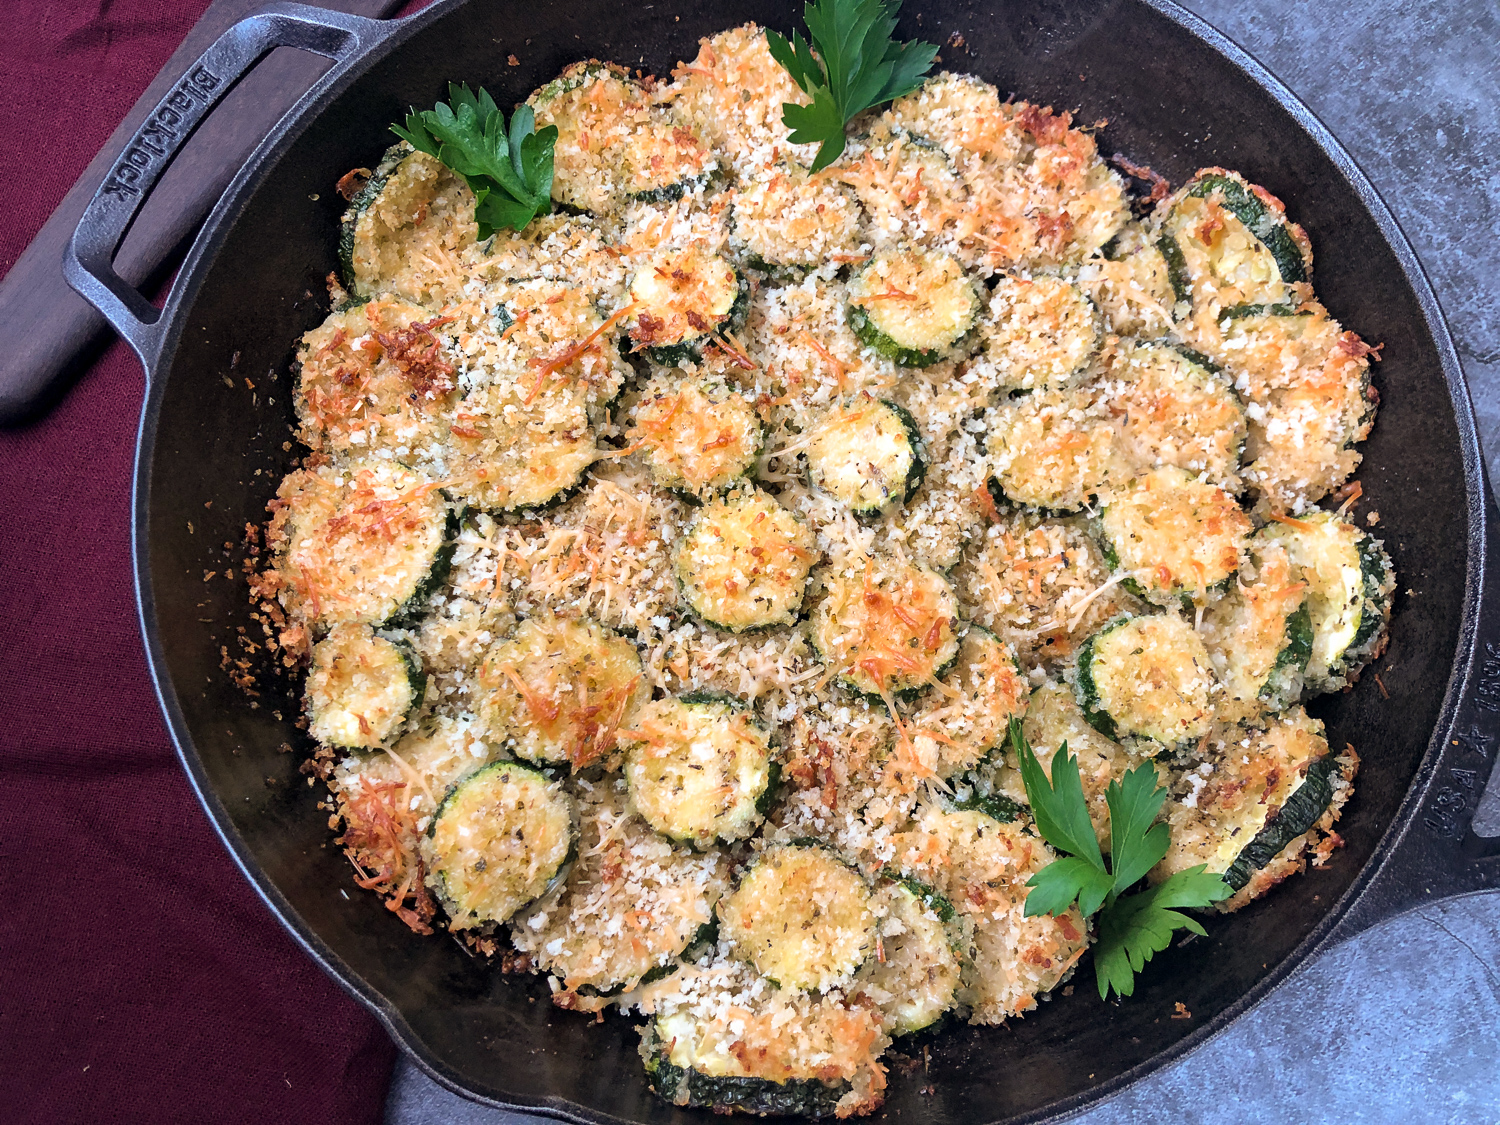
x=88 y=261
x=1437 y=854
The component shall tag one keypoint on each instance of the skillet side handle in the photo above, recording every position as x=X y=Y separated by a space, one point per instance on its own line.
x=88 y=261
x=1434 y=852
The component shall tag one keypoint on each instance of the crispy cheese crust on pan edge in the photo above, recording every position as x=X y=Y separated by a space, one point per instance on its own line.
x=674 y=566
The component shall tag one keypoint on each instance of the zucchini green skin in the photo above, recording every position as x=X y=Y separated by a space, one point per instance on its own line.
x=680 y=1086
x=448 y=901
x=996 y=806
x=415 y=607
x=690 y=351
x=915 y=475
x=671 y=193
x=1241 y=312
x=366 y=195
x=918 y=471
x=1258 y=219
x=1177 y=275
x=1199 y=358
x=1307 y=803
x=1291 y=661
x=1089 y=701
x=930 y=898
x=872 y=337
x=1373 y=569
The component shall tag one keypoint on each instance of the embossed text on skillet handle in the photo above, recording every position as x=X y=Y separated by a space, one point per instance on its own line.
x=88 y=263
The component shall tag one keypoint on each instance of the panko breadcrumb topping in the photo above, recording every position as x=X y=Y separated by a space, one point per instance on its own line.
x=515 y=479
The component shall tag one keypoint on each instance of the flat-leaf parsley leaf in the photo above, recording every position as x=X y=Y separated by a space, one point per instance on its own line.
x=1131 y=928
x=856 y=65
x=509 y=169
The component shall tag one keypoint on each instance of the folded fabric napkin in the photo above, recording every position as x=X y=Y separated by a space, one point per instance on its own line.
x=141 y=979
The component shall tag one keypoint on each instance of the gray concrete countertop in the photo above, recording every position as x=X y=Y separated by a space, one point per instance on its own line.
x=1402 y=1023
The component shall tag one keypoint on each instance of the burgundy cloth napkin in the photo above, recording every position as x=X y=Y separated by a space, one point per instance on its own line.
x=141 y=979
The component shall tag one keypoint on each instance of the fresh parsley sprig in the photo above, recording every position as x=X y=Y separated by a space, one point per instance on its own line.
x=508 y=169
x=857 y=65
x=1132 y=928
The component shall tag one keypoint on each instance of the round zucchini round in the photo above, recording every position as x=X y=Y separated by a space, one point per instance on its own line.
x=985 y=690
x=866 y=453
x=1147 y=678
x=1177 y=538
x=685 y=297
x=699 y=437
x=912 y=306
x=699 y=768
x=1350 y=583
x=367 y=543
x=914 y=976
x=801 y=916
x=614 y=145
x=501 y=838
x=1040 y=333
x=558 y=690
x=1176 y=409
x=627 y=880
x=786 y=221
x=361 y=687
x=743 y=562
x=886 y=628
x=1232 y=242
x=1053 y=450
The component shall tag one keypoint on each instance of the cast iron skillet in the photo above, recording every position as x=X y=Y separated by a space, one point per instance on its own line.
x=1177 y=96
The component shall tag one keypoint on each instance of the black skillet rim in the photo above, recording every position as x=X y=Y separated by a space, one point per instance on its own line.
x=215 y=231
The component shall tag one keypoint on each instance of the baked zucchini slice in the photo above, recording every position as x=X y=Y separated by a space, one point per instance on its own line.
x=684 y=1069
x=632 y=904
x=501 y=838
x=1147 y=677
x=1261 y=638
x=699 y=437
x=510 y=452
x=1233 y=243
x=964 y=721
x=358 y=223
x=886 y=629
x=553 y=333
x=785 y=222
x=1176 y=409
x=801 y=916
x=684 y=298
x=982 y=866
x=691 y=1088
x=866 y=453
x=558 y=690
x=1244 y=809
x=699 y=768
x=1041 y=332
x=361 y=687
x=613 y=144
x=1053 y=450
x=913 y=977
x=411 y=205
x=913 y=306
x=367 y=543
x=1350 y=584
x=1176 y=537
x=743 y=562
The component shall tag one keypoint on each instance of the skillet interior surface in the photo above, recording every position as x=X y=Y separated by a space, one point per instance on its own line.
x=1171 y=101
